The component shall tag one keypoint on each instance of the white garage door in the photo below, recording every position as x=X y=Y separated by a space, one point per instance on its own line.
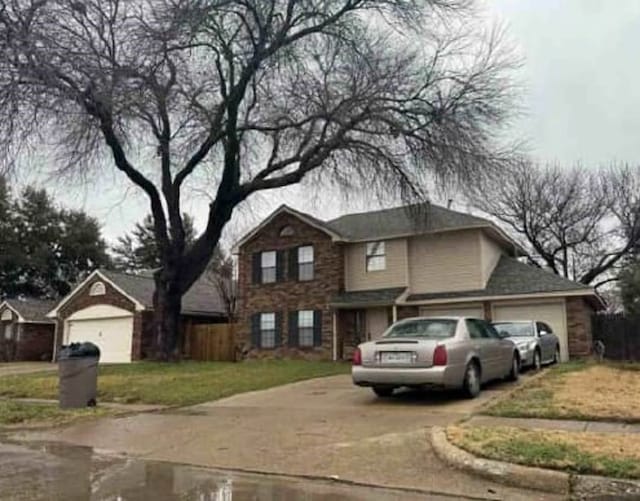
x=552 y=313
x=476 y=311
x=113 y=335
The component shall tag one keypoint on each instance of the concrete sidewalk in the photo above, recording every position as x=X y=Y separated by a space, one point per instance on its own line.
x=555 y=424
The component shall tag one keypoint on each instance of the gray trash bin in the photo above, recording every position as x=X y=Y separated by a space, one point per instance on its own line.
x=78 y=375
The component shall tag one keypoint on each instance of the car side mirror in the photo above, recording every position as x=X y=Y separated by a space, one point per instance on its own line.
x=503 y=334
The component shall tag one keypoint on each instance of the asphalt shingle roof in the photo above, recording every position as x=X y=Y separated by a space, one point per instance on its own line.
x=410 y=219
x=512 y=277
x=368 y=297
x=32 y=310
x=202 y=298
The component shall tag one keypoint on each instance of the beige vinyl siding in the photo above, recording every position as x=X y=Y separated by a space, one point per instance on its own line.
x=394 y=274
x=490 y=253
x=445 y=262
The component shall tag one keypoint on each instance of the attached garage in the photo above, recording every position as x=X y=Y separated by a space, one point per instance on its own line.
x=552 y=313
x=115 y=311
x=109 y=327
x=453 y=310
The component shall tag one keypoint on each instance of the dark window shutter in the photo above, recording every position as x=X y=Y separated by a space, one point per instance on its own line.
x=255 y=330
x=278 y=335
x=256 y=268
x=317 y=328
x=293 y=263
x=293 y=329
x=280 y=264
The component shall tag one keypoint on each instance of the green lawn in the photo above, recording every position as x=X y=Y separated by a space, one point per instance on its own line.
x=27 y=413
x=610 y=454
x=177 y=384
x=577 y=390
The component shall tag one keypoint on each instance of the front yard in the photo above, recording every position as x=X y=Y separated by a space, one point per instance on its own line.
x=34 y=414
x=610 y=454
x=180 y=384
x=578 y=390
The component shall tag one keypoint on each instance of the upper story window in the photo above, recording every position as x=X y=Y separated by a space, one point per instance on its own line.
x=98 y=289
x=268 y=267
x=376 y=257
x=305 y=262
x=287 y=231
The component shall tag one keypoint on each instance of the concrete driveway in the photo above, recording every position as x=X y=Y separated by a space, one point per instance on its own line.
x=322 y=427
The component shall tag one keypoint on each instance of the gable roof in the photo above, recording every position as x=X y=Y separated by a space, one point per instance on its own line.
x=202 y=299
x=384 y=224
x=400 y=221
x=511 y=277
x=30 y=309
x=303 y=216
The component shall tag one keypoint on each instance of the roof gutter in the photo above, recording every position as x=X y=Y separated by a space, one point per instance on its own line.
x=470 y=299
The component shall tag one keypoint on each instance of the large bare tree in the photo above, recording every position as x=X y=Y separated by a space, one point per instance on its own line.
x=264 y=93
x=580 y=223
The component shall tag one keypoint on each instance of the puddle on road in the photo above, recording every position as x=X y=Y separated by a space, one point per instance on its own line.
x=55 y=472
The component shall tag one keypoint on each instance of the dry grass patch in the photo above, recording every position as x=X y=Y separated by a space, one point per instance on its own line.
x=602 y=391
x=610 y=454
x=577 y=391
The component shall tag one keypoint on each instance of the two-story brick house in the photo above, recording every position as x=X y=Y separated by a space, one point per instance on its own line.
x=316 y=289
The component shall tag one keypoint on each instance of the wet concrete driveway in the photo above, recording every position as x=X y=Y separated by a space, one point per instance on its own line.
x=55 y=472
x=322 y=428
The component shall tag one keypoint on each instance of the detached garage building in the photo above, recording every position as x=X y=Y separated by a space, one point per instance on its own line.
x=115 y=311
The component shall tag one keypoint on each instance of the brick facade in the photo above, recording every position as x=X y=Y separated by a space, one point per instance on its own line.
x=289 y=295
x=579 y=327
x=112 y=297
x=30 y=342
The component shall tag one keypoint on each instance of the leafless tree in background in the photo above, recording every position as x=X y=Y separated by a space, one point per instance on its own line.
x=374 y=93
x=580 y=223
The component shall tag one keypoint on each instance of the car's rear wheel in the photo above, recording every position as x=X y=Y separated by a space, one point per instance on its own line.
x=514 y=373
x=556 y=355
x=383 y=391
x=537 y=360
x=471 y=384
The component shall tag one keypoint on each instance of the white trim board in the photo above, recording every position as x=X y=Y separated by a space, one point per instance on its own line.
x=54 y=313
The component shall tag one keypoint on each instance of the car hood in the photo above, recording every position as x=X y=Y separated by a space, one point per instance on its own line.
x=522 y=341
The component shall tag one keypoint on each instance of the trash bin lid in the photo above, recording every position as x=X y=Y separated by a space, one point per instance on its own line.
x=78 y=350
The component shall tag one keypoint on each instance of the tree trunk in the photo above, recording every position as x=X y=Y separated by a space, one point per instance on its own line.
x=167 y=307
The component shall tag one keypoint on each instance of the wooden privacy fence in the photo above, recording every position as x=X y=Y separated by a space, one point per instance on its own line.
x=210 y=343
x=620 y=335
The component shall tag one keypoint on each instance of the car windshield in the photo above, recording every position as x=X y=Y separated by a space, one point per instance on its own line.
x=512 y=329
x=423 y=328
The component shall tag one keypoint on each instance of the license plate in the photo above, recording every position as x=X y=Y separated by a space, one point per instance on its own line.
x=395 y=357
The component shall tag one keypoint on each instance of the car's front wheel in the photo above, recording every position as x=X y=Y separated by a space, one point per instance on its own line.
x=383 y=391
x=471 y=384
x=537 y=360
x=514 y=373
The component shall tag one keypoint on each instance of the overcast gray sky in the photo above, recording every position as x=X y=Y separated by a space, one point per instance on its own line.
x=582 y=104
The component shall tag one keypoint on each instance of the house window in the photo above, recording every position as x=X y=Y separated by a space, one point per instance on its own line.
x=267 y=330
x=305 y=262
x=287 y=231
x=268 y=267
x=376 y=258
x=98 y=289
x=305 y=328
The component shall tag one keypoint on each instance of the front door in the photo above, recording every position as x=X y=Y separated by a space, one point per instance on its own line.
x=377 y=321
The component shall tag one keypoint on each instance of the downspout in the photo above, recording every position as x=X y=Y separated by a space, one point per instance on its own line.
x=334 y=354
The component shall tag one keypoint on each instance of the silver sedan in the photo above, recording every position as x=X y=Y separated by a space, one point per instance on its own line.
x=428 y=352
x=535 y=340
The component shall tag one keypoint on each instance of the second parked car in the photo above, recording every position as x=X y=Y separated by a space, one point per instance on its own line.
x=535 y=340
x=444 y=352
